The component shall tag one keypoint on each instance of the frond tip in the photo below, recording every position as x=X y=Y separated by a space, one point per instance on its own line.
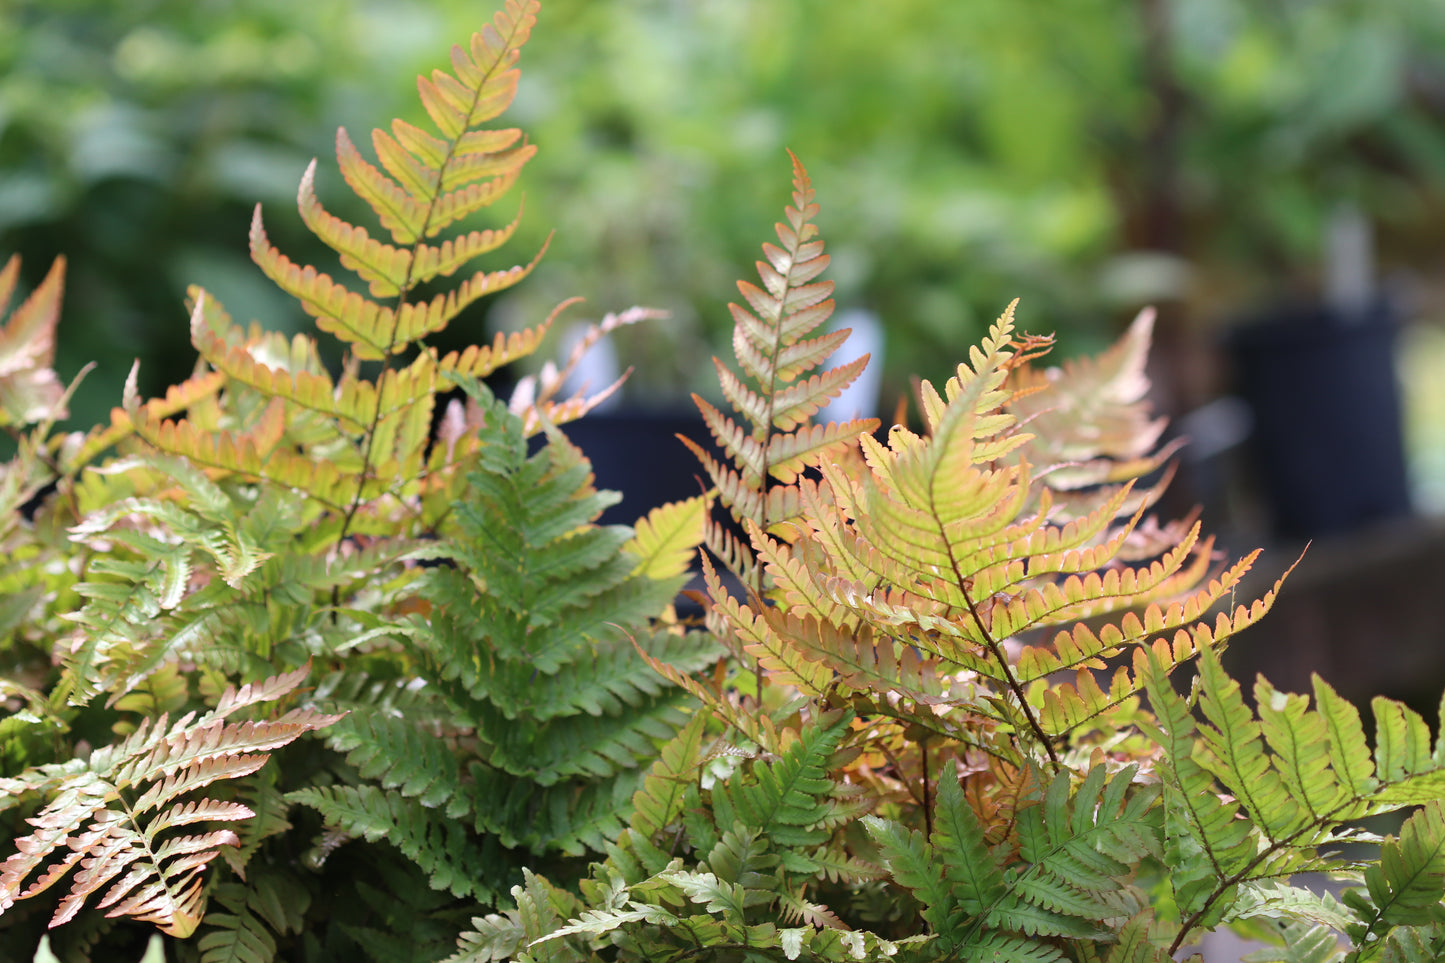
x=113 y=820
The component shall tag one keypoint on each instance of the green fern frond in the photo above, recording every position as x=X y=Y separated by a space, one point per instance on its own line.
x=1407 y=886
x=398 y=755
x=237 y=936
x=538 y=621
x=193 y=578
x=437 y=844
x=1134 y=943
x=1235 y=753
x=1075 y=855
x=658 y=804
x=240 y=929
x=261 y=795
x=913 y=864
x=1414 y=944
x=786 y=799
x=658 y=801
x=1293 y=776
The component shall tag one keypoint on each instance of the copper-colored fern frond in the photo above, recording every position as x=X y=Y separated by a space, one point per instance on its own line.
x=348 y=440
x=427 y=183
x=775 y=347
x=1091 y=419
x=950 y=546
x=112 y=824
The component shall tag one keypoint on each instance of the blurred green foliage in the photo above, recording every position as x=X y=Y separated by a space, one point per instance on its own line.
x=967 y=151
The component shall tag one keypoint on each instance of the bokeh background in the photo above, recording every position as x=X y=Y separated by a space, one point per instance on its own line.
x=1219 y=159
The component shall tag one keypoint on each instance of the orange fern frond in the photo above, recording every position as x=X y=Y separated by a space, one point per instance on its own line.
x=112 y=823
x=773 y=345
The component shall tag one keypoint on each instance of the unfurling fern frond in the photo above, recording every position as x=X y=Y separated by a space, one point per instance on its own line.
x=112 y=819
x=773 y=343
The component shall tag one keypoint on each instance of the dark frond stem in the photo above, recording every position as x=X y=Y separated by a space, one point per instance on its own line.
x=998 y=654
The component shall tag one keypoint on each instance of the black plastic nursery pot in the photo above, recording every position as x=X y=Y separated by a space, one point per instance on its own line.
x=637 y=453
x=1327 y=437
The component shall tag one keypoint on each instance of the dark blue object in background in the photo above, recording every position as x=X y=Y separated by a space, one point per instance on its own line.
x=1327 y=429
x=638 y=454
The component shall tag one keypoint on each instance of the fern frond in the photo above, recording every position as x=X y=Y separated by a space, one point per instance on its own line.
x=772 y=345
x=398 y=755
x=1300 y=943
x=386 y=267
x=786 y=800
x=236 y=937
x=438 y=845
x=1092 y=412
x=110 y=817
x=1197 y=818
x=541 y=909
x=438 y=181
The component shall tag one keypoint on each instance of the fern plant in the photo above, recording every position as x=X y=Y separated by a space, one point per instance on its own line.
x=959 y=695
x=271 y=513
x=1013 y=775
